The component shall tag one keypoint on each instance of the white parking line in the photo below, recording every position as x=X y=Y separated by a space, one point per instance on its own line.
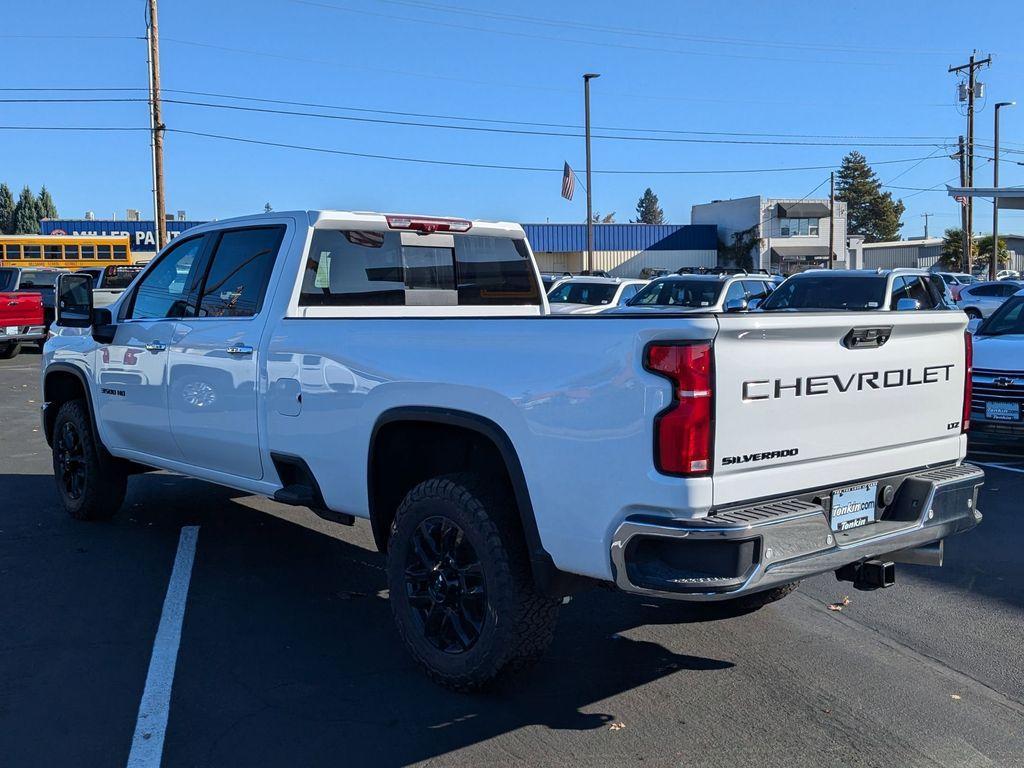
x=151 y=724
x=999 y=466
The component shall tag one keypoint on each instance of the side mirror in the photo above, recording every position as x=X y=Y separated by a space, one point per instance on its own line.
x=907 y=305
x=736 y=305
x=74 y=301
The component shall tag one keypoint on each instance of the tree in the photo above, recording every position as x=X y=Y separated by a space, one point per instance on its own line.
x=647 y=209
x=608 y=218
x=267 y=208
x=870 y=212
x=26 y=214
x=952 y=257
x=44 y=203
x=984 y=255
x=952 y=254
x=6 y=210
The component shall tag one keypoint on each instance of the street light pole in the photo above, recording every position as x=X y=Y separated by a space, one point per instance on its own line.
x=590 y=210
x=995 y=183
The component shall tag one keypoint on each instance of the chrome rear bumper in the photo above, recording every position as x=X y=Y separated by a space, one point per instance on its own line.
x=749 y=549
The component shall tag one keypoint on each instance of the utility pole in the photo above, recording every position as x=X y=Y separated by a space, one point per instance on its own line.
x=590 y=211
x=995 y=183
x=832 y=221
x=156 y=128
x=925 y=217
x=965 y=239
x=972 y=67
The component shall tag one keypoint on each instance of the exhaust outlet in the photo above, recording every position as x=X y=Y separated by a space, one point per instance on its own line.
x=871 y=574
x=929 y=554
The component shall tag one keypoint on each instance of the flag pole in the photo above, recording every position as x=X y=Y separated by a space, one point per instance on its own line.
x=590 y=211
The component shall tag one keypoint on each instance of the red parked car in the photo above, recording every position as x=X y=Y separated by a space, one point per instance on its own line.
x=21 y=314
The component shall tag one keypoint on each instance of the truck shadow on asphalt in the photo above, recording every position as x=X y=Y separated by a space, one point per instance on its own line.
x=288 y=652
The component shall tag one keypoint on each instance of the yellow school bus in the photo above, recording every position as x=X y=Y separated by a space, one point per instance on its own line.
x=66 y=251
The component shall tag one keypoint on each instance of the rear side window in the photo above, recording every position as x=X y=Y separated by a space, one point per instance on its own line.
x=678 y=293
x=239 y=272
x=828 y=292
x=370 y=268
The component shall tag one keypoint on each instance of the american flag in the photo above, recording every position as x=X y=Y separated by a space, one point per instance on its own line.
x=568 y=182
x=368 y=239
x=962 y=199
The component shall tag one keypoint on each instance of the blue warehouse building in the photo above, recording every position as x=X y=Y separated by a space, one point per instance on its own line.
x=141 y=233
x=624 y=249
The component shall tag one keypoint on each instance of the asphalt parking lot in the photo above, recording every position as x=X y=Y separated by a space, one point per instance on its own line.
x=287 y=654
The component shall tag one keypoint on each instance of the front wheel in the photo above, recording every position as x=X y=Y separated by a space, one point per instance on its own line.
x=462 y=594
x=9 y=350
x=91 y=484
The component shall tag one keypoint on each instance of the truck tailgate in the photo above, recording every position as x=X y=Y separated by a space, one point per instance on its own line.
x=800 y=405
x=20 y=309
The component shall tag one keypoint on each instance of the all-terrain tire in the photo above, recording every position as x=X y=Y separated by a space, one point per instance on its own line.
x=91 y=483
x=516 y=621
x=9 y=350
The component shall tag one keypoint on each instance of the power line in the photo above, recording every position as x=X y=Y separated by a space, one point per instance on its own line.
x=524 y=132
x=476 y=128
x=499 y=121
x=428 y=161
x=577 y=41
x=636 y=32
x=652 y=172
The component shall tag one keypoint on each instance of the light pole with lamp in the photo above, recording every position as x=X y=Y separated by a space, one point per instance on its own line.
x=995 y=183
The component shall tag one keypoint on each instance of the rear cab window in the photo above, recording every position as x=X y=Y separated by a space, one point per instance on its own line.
x=370 y=268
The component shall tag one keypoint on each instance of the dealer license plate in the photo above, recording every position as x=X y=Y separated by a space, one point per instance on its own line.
x=1002 y=411
x=854 y=507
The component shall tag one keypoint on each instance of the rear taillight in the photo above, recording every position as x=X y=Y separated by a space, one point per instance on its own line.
x=682 y=432
x=965 y=418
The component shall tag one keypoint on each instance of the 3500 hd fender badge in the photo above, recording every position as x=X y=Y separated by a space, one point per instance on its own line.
x=746 y=458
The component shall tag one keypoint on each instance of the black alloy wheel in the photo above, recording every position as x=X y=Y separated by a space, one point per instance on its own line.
x=445 y=587
x=71 y=461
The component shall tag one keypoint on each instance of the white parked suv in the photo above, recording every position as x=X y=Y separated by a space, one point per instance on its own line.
x=585 y=295
x=406 y=370
x=700 y=293
x=980 y=300
x=885 y=290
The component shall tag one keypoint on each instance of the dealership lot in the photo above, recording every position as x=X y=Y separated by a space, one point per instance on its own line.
x=288 y=654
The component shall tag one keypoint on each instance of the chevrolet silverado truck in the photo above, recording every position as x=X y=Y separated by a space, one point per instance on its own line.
x=21 y=315
x=407 y=370
x=110 y=281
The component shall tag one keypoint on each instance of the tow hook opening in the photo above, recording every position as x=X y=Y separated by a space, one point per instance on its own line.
x=868 y=575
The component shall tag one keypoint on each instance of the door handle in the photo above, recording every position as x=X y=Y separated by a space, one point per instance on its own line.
x=240 y=349
x=155 y=346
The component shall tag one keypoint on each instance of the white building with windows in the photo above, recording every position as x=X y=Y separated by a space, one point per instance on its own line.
x=787 y=235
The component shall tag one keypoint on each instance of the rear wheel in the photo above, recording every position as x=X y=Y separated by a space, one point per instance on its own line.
x=91 y=484
x=972 y=313
x=462 y=594
x=9 y=349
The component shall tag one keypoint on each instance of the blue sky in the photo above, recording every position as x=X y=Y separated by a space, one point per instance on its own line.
x=860 y=69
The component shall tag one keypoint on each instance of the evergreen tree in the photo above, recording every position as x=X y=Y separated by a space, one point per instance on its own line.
x=26 y=214
x=870 y=212
x=6 y=210
x=44 y=203
x=647 y=209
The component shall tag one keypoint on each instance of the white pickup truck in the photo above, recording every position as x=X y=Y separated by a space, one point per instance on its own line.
x=406 y=370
